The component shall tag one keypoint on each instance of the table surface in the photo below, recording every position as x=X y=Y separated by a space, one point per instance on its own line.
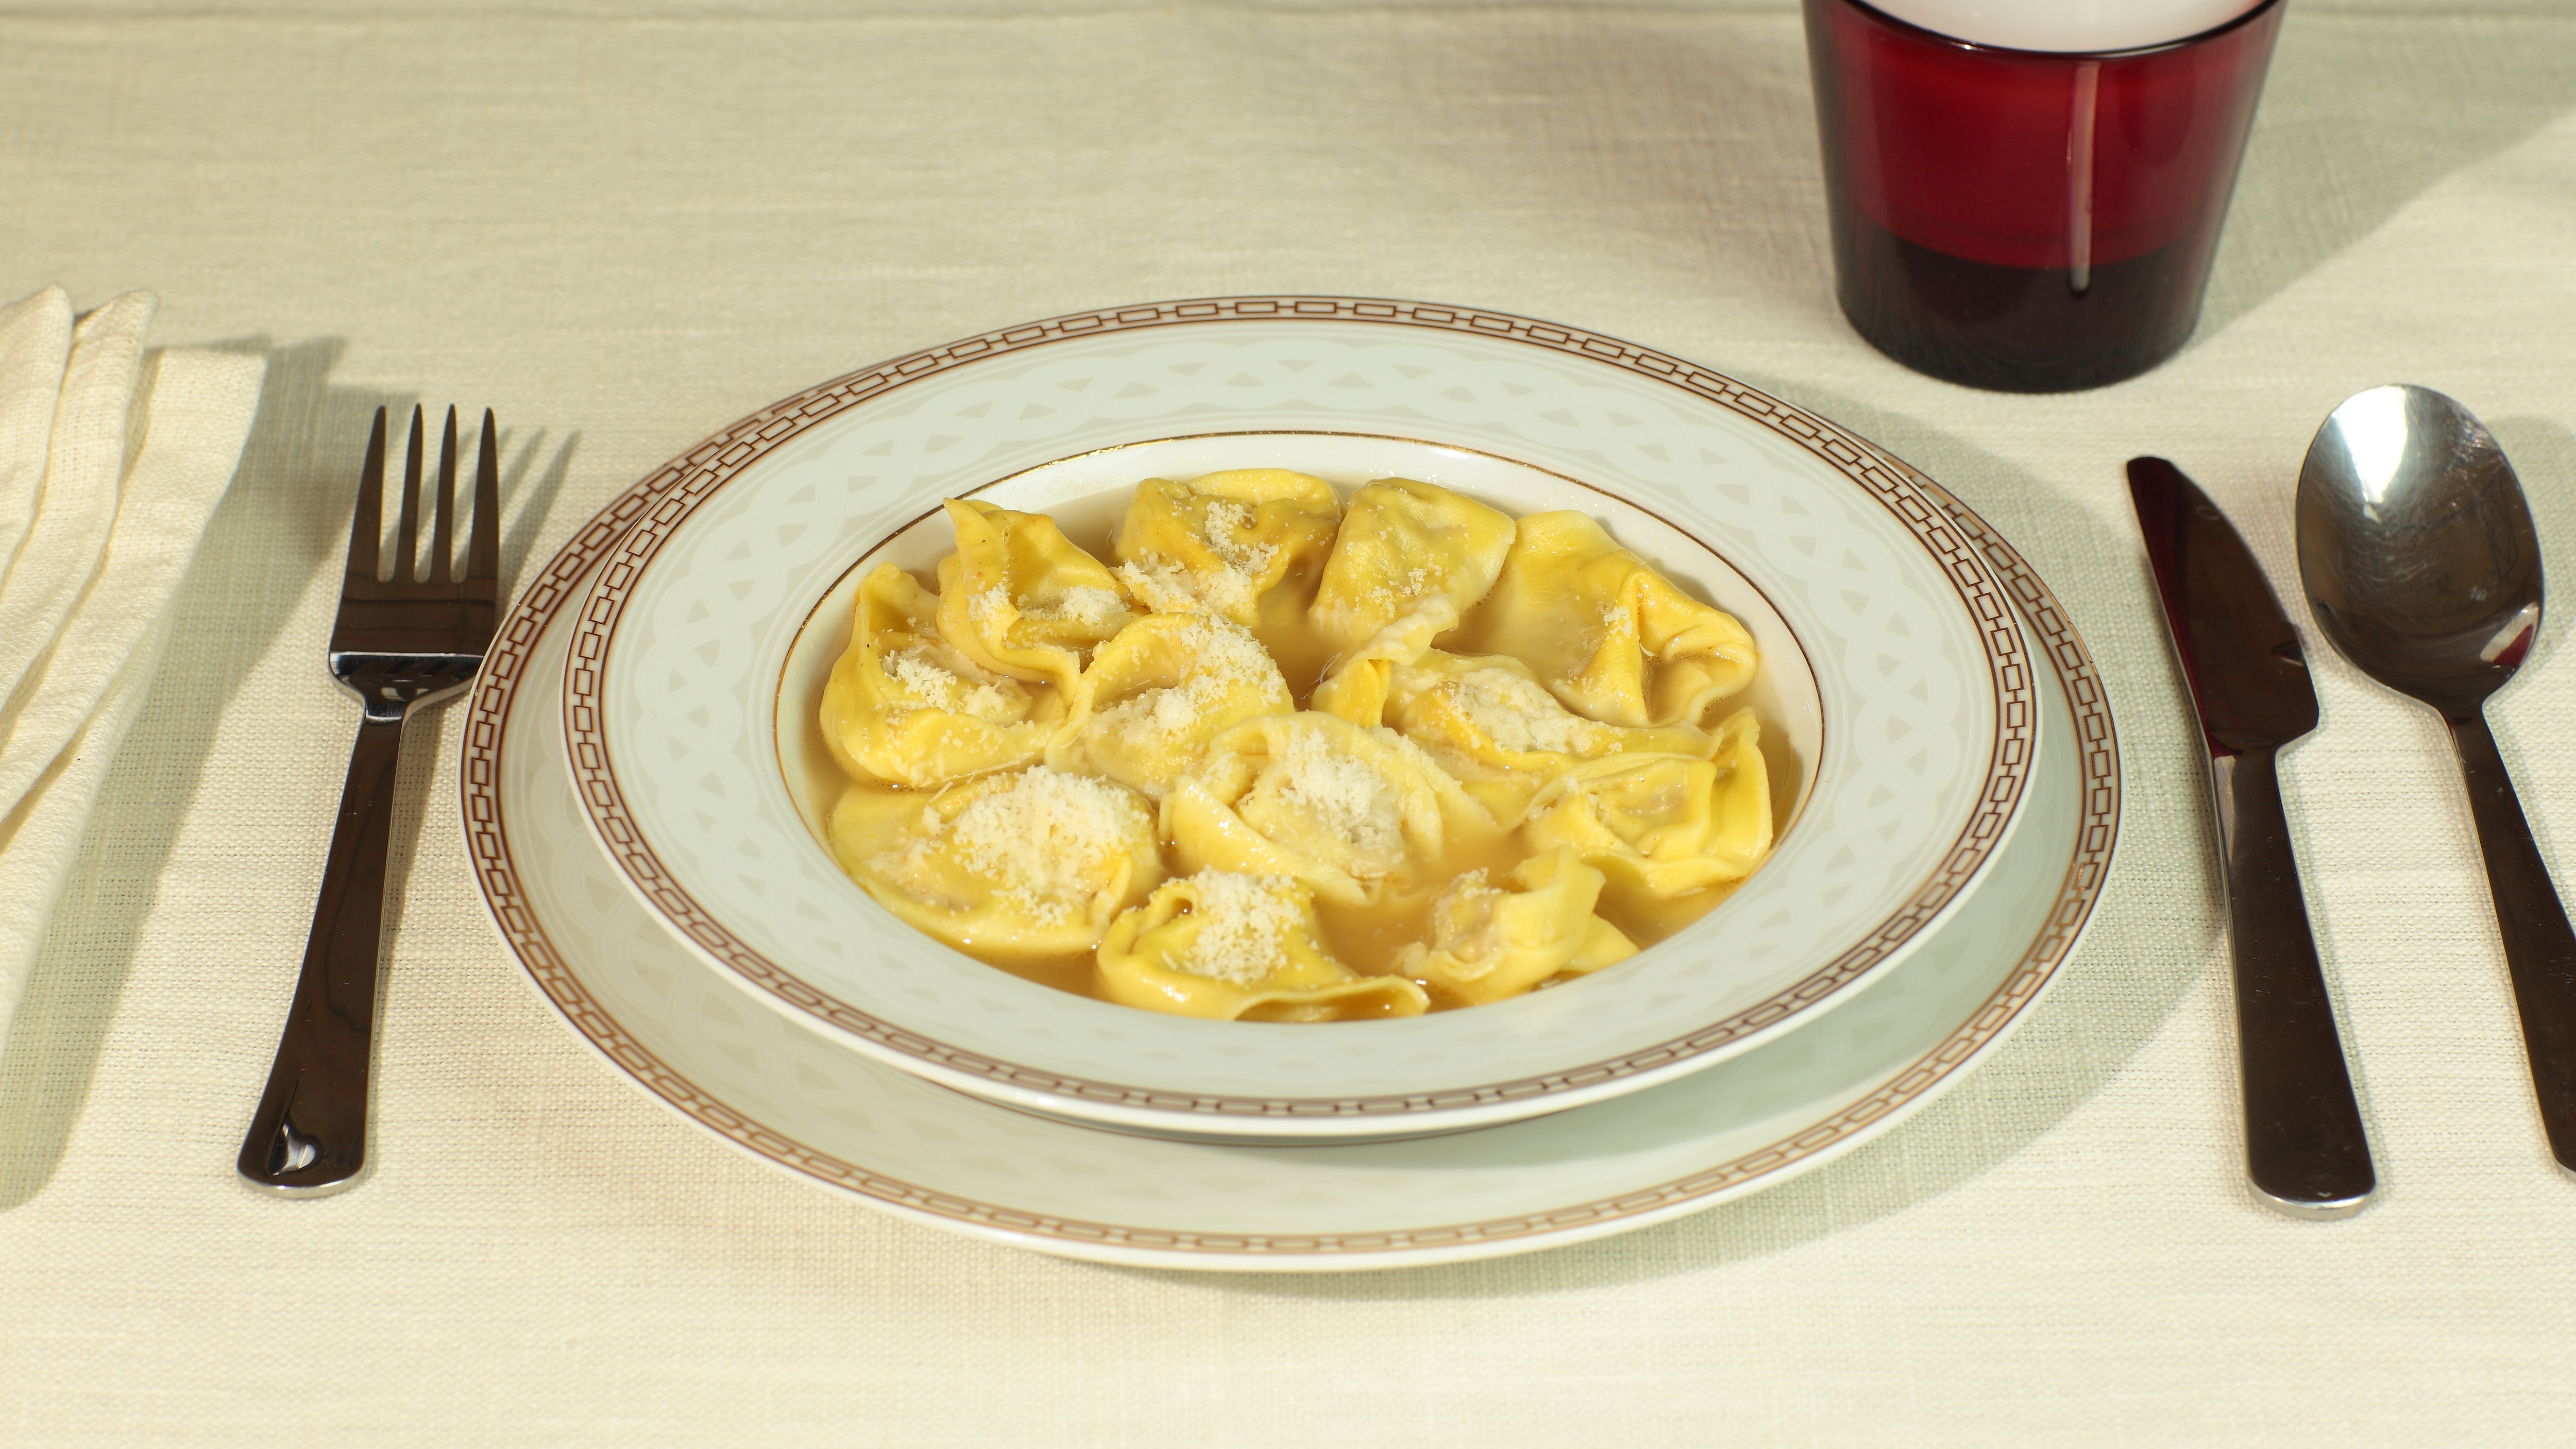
x=625 y=226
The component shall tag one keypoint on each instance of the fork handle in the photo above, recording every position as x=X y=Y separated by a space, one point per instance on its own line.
x=309 y=1136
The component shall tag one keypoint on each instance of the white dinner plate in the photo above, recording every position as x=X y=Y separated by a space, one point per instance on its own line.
x=1899 y=690
x=795 y=1096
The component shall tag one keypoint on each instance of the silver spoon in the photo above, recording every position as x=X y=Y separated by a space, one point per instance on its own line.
x=2418 y=556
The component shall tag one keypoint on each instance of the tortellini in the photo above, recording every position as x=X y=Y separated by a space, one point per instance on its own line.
x=1401 y=543
x=1352 y=813
x=1362 y=679
x=1609 y=636
x=1509 y=769
x=1026 y=867
x=1485 y=719
x=1661 y=827
x=905 y=706
x=1158 y=692
x=1488 y=942
x=1240 y=948
x=1019 y=599
x=1248 y=546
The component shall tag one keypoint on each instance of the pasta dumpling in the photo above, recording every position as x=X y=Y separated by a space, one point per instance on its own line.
x=1485 y=719
x=1488 y=721
x=1025 y=868
x=1607 y=635
x=1352 y=813
x=1248 y=546
x=1491 y=941
x=1511 y=769
x=1019 y=599
x=1158 y=692
x=1403 y=542
x=1240 y=948
x=1660 y=827
x=903 y=705
x=1362 y=679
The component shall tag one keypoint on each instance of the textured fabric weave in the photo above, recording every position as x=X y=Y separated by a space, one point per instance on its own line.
x=135 y=454
x=624 y=227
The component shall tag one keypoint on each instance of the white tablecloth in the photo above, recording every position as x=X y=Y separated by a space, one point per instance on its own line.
x=624 y=226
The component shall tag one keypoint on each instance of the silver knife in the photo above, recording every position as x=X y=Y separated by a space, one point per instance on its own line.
x=2304 y=1145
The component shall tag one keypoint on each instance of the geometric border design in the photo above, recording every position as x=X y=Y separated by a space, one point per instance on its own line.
x=688 y=481
x=496 y=691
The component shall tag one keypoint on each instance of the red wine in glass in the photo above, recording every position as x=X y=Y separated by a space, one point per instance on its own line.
x=2028 y=221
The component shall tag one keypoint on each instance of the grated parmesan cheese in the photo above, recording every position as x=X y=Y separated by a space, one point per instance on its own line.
x=1164 y=588
x=1515 y=713
x=1227 y=520
x=939 y=684
x=1386 y=600
x=1244 y=923
x=1232 y=588
x=1042 y=841
x=1084 y=604
x=1225 y=660
x=1341 y=794
x=1617 y=623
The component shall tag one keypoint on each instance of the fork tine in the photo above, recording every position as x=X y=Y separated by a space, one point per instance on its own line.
x=483 y=550
x=366 y=530
x=442 y=542
x=405 y=565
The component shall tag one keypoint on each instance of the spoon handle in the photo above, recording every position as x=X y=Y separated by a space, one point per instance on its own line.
x=2539 y=946
x=2304 y=1145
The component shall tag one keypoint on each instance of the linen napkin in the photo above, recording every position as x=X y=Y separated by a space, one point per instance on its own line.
x=111 y=462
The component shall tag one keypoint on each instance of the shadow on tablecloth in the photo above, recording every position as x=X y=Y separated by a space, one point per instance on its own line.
x=265 y=577
x=2543 y=453
x=2352 y=128
x=1684 y=144
x=2148 y=947
x=2146 y=956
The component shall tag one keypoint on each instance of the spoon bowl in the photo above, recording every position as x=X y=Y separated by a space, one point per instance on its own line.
x=2416 y=547
x=2419 y=558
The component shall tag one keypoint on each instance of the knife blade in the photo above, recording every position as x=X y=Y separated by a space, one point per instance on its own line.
x=2306 y=1152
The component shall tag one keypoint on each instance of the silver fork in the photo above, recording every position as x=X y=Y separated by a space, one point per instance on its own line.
x=398 y=644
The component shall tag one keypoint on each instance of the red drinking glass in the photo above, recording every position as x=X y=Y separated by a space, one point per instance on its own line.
x=2028 y=221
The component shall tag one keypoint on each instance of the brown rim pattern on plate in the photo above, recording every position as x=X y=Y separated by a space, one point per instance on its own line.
x=686 y=482
x=486 y=834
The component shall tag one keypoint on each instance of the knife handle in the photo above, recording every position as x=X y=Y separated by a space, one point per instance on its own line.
x=2539 y=946
x=2304 y=1145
